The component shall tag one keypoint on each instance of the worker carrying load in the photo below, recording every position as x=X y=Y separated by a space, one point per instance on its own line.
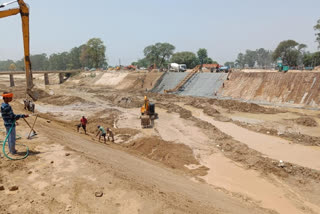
x=148 y=114
x=9 y=119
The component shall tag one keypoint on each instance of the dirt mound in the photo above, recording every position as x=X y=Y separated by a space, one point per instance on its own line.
x=61 y=100
x=207 y=108
x=233 y=105
x=122 y=101
x=306 y=121
x=184 y=113
x=173 y=155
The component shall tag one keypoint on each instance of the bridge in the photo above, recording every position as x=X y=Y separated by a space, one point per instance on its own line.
x=46 y=75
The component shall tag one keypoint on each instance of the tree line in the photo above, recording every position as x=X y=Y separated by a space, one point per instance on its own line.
x=291 y=52
x=161 y=54
x=90 y=54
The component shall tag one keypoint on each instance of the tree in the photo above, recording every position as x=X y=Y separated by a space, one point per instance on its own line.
x=317 y=28
x=75 y=57
x=96 y=52
x=250 y=58
x=39 y=62
x=20 y=65
x=188 y=58
x=263 y=57
x=159 y=53
x=203 y=57
x=141 y=63
x=12 y=67
x=84 y=57
x=230 y=64
x=59 y=61
x=311 y=60
x=240 y=62
x=288 y=51
x=5 y=65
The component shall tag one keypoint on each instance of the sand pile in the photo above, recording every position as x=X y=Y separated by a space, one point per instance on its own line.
x=61 y=100
x=306 y=121
x=111 y=79
x=173 y=155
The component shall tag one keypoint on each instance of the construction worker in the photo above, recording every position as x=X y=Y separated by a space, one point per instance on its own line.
x=110 y=134
x=9 y=119
x=83 y=124
x=101 y=133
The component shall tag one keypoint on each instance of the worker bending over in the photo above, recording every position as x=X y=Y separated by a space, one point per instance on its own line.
x=101 y=133
x=110 y=134
x=9 y=119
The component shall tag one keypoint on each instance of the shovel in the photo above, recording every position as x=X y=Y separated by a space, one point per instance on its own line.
x=34 y=131
x=29 y=136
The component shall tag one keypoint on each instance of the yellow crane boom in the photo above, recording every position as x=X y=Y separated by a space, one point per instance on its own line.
x=24 y=12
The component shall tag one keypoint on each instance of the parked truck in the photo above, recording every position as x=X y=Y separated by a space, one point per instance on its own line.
x=177 y=67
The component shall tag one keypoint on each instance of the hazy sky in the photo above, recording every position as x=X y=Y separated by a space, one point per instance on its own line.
x=225 y=28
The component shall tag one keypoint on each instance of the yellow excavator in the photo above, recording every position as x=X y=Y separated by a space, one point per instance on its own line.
x=148 y=114
x=24 y=12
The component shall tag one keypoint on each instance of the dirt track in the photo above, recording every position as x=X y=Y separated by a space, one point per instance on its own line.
x=190 y=162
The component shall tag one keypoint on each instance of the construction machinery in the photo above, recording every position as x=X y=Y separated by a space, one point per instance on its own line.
x=194 y=71
x=24 y=12
x=130 y=68
x=282 y=67
x=177 y=67
x=148 y=114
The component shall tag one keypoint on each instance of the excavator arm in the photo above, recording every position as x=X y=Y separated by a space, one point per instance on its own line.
x=24 y=12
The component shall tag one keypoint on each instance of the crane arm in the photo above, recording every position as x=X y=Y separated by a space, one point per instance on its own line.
x=24 y=12
x=10 y=12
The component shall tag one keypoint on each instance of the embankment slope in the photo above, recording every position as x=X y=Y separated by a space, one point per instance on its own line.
x=301 y=89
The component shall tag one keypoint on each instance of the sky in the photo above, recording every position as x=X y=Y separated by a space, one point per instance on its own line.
x=126 y=27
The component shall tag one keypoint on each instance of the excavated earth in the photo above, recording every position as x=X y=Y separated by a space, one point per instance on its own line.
x=203 y=155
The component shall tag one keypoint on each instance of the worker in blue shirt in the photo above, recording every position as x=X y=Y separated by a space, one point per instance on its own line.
x=9 y=119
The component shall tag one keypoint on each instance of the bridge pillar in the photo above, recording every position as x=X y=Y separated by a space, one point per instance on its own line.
x=60 y=78
x=46 y=78
x=11 y=80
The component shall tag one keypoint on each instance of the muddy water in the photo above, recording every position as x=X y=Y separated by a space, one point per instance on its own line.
x=248 y=183
x=273 y=147
x=280 y=121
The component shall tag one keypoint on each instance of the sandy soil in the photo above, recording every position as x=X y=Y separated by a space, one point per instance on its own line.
x=196 y=159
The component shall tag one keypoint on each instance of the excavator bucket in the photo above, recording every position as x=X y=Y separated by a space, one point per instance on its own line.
x=33 y=95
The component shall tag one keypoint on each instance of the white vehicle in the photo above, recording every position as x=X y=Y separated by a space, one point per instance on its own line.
x=177 y=67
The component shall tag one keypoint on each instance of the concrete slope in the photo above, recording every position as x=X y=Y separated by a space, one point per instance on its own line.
x=204 y=84
x=301 y=89
x=168 y=81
